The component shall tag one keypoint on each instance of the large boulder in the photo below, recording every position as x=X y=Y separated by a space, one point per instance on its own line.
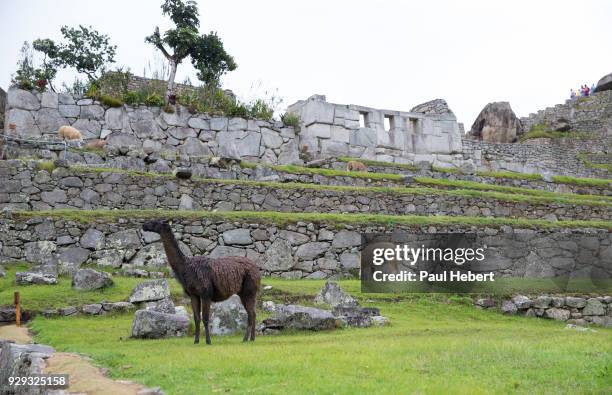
x=496 y=123
x=604 y=84
x=150 y=290
x=151 y=324
x=42 y=274
x=228 y=317
x=300 y=317
x=89 y=279
x=165 y=305
x=333 y=295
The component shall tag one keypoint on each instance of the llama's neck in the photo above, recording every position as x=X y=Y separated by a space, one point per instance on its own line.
x=176 y=258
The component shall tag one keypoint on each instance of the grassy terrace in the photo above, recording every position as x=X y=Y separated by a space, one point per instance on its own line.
x=280 y=218
x=462 y=188
x=597 y=182
x=435 y=345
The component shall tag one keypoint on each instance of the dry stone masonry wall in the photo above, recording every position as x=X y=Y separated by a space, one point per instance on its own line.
x=293 y=250
x=149 y=129
x=27 y=188
x=584 y=114
x=330 y=129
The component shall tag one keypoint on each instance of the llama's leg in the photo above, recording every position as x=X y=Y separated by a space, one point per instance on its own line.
x=253 y=304
x=250 y=309
x=195 y=306
x=205 y=317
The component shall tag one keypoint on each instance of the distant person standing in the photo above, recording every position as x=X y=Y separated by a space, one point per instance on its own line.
x=592 y=89
x=572 y=94
x=587 y=90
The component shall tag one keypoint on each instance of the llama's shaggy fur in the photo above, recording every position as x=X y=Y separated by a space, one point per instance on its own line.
x=208 y=280
x=97 y=143
x=354 y=165
x=69 y=133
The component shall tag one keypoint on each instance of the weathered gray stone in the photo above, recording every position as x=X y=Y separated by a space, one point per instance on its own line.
x=542 y=302
x=508 y=307
x=496 y=123
x=92 y=239
x=69 y=110
x=92 y=309
x=181 y=133
x=278 y=256
x=332 y=294
x=89 y=279
x=228 y=317
x=42 y=274
x=49 y=99
x=194 y=147
x=115 y=118
x=70 y=259
x=25 y=126
x=123 y=141
x=300 y=318
x=198 y=123
x=163 y=306
x=128 y=238
x=18 y=98
x=294 y=238
x=344 y=239
x=522 y=302
x=152 y=255
x=237 y=236
x=572 y=301
x=311 y=250
x=150 y=291
x=150 y=324
x=89 y=128
x=39 y=251
x=557 y=314
x=49 y=120
x=271 y=138
x=54 y=197
x=593 y=307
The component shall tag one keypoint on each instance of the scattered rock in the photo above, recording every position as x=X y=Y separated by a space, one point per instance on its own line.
x=42 y=274
x=572 y=301
x=300 y=318
x=354 y=316
x=150 y=291
x=579 y=328
x=92 y=309
x=118 y=307
x=89 y=279
x=66 y=311
x=332 y=294
x=485 y=302
x=508 y=307
x=522 y=302
x=150 y=324
x=164 y=305
x=228 y=317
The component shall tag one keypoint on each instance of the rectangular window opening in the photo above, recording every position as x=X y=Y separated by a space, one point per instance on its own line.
x=389 y=123
x=363 y=120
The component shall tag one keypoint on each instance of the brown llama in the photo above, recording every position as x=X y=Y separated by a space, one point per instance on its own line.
x=208 y=280
x=354 y=165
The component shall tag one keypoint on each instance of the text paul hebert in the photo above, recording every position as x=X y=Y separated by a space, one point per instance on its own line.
x=411 y=256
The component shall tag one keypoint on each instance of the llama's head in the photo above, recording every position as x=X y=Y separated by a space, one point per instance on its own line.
x=156 y=226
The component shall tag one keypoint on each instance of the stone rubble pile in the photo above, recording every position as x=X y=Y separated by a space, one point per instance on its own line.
x=574 y=310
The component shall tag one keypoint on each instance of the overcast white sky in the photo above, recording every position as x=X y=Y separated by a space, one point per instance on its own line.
x=382 y=54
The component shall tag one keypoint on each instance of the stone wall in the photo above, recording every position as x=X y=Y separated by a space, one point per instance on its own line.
x=26 y=188
x=149 y=129
x=553 y=156
x=329 y=129
x=292 y=250
x=585 y=114
x=575 y=310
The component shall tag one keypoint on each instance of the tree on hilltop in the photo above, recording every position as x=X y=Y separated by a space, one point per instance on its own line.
x=206 y=51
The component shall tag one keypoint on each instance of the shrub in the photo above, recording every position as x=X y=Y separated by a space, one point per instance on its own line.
x=46 y=165
x=110 y=101
x=114 y=83
x=261 y=110
x=168 y=108
x=290 y=119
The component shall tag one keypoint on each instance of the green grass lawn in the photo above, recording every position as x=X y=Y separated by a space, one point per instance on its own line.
x=43 y=297
x=434 y=346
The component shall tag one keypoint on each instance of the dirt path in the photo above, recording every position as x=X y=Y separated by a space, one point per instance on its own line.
x=84 y=377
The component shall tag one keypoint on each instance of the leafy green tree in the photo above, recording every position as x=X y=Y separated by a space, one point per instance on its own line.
x=84 y=49
x=206 y=51
x=28 y=76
